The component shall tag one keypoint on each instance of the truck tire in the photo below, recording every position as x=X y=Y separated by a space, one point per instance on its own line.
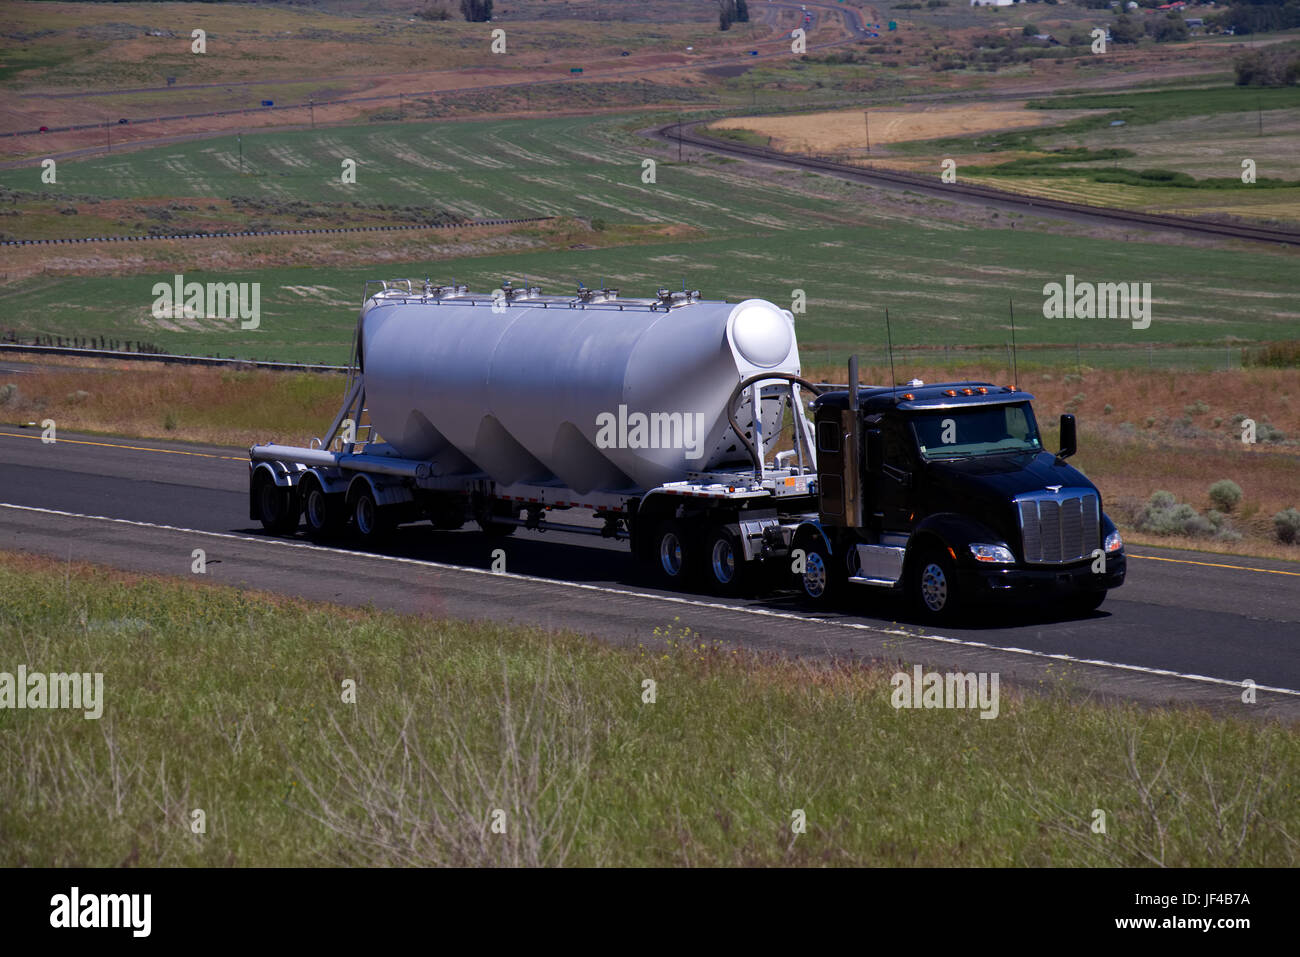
x=1085 y=603
x=726 y=570
x=277 y=506
x=483 y=518
x=323 y=513
x=932 y=581
x=371 y=521
x=823 y=579
x=674 y=554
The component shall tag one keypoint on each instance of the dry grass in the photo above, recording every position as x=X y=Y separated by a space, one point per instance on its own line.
x=156 y=400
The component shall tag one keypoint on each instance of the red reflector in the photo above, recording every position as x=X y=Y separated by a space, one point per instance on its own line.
x=982 y=391
x=950 y=392
x=967 y=391
x=908 y=396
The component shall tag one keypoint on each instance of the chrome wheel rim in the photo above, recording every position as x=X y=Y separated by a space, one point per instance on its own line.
x=670 y=554
x=814 y=574
x=316 y=508
x=724 y=561
x=366 y=514
x=934 y=587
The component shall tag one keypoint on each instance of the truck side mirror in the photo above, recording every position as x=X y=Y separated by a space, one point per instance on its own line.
x=1069 y=437
x=875 y=450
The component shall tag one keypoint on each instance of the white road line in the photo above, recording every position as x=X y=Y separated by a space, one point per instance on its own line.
x=672 y=599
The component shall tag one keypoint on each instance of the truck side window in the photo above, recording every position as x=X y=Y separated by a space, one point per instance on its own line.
x=828 y=436
x=896 y=447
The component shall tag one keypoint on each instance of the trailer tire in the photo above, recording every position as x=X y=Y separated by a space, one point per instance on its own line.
x=674 y=554
x=323 y=513
x=371 y=521
x=278 y=507
x=932 y=581
x=726 y=570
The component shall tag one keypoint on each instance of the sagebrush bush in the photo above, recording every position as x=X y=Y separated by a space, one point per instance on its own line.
x=1225 y=494
x=1287 y=525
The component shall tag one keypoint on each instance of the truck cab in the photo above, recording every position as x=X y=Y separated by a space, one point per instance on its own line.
x=946 y=493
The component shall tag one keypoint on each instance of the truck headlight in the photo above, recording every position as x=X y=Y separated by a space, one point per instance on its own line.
x=995 y=554
x=1113 y=542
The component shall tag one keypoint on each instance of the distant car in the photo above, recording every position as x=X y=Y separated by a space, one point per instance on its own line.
x=45 y=129
x=625 y=53
x=753 y=53
x=123 y=121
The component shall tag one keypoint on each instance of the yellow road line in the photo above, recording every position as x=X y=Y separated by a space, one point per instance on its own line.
x=133 y=448
x=1184 y=561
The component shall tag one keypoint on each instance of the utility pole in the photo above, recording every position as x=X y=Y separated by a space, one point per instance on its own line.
x=312 y=101
x=401 y=107
x=240 y=138
x=866 y=119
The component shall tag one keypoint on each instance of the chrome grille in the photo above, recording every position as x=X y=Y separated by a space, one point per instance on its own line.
x=1059 y=527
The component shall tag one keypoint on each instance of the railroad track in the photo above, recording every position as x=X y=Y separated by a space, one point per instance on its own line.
x=931 y=186
x=275 y=232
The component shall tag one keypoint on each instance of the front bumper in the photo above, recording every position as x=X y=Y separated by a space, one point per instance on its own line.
x=1029 y=582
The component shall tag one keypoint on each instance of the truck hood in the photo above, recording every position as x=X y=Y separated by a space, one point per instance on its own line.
x=999 y=478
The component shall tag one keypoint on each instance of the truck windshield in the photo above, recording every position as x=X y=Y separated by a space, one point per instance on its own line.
x=978 y=430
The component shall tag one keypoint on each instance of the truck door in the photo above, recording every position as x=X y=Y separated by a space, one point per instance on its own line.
x=829 y=435
x=889 y=486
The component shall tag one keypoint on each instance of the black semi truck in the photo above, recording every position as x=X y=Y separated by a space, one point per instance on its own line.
x=946 y=492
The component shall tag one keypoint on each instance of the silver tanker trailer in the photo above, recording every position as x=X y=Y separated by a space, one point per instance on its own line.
x=679 y=424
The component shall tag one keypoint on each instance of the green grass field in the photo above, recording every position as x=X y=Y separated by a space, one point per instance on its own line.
x=232 y=703
x=855 y=251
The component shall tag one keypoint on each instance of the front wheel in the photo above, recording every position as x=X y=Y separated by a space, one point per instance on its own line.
x=817 y=574
x=935 y=592
x=1085 y=603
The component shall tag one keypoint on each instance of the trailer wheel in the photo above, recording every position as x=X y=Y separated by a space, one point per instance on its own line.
x=372 y=521
x=933 y=583
x=822 y=579
x=277 y=507
x=674 y=554
x=323 y=513
x=724 y=557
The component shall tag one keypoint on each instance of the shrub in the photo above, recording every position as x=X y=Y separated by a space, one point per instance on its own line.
x=1108 y=409
x=8 y=392
x=1197 y=408
x=1225 y=494
x=1287 y=525
x=1165 y=515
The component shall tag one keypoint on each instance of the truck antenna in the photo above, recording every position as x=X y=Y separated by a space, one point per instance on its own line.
x=889 y=338
x=1015 y=367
